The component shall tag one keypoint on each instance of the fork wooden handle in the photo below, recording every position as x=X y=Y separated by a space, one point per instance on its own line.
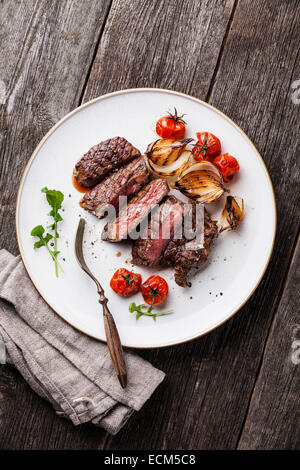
x=114 y=346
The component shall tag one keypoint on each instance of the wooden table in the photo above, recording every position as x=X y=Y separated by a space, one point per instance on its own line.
x=234 y=388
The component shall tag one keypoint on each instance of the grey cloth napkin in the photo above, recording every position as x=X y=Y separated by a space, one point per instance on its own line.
x=69 y=369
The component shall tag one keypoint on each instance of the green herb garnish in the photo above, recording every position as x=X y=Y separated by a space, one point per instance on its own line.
x=140 y=310
x=55 y=199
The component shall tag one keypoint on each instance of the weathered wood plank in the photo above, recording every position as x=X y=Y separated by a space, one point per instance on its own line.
x=167 y=44
x=204 y=400
x=272 y=421
x=261 y=102
x=45 y=54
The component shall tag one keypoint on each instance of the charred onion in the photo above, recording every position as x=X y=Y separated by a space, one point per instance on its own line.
x=163 y=152
x=232 y=214
x=201 y=181
x=170 y=170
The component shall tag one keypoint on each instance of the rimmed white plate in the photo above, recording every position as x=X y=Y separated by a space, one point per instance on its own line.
x=238 y=260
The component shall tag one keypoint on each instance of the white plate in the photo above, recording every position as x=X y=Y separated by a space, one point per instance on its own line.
x=238 y=260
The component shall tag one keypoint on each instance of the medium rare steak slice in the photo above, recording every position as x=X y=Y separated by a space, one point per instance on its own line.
x=184 y=257
x=149 y=249
x=101 y=159
x=136 y=210
x=124 y=182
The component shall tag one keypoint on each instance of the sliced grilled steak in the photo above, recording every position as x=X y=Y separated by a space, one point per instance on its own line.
x=101 y=159
x=149 y=249
x=184 y=259
x=136 y=210
x=124 y=182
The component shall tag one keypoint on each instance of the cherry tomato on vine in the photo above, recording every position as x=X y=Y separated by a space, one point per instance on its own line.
x=207 y=147
x=228 y=166
x=171 y=126
x=155 y=290
x=126 y=282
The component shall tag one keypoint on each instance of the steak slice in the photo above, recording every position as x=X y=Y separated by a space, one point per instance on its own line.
x=148 y=250
x=101 y=159
x=184 y=259
x=124 y=182
x=135 y=211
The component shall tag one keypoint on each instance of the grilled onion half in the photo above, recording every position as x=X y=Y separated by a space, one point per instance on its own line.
x=232 y=214
x=201 y=181
x=167 y=157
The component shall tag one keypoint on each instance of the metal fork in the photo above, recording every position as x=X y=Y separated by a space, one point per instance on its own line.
x=111 y=332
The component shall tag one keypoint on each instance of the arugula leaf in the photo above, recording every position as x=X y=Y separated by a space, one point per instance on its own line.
x=140 y=311
x=42 y=242
x=37 y=231
x=55 y=199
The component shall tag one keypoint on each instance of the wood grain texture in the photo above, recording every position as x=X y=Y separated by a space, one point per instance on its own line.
x=170 y=44
x=273 y=417
x=253 y=86
x=45 y=54
x=204 y=400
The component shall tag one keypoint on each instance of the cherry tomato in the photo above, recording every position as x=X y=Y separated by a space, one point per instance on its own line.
x=155 y=290
x=171 y=126
x=207 y=147
x=126 y=282
x=227 y=165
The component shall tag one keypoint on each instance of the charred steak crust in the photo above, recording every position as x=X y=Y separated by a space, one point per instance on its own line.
x=111 y=161
x=125 y=181
x=148 y=250
x=136 y=210
x=183 y=259
x=101 y=159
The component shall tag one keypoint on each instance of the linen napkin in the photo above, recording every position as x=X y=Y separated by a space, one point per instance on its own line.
x=71 y=370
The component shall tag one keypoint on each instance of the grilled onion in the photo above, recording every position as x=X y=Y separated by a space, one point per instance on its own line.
x=172 y=169
x=163 y=152
x=201 y=181
x=232 y=214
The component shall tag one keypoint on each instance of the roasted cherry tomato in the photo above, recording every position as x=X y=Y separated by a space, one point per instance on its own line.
x=126 y=282
x=155 y=290
x=207 y=147
x=227 y=165
x=171 y=126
